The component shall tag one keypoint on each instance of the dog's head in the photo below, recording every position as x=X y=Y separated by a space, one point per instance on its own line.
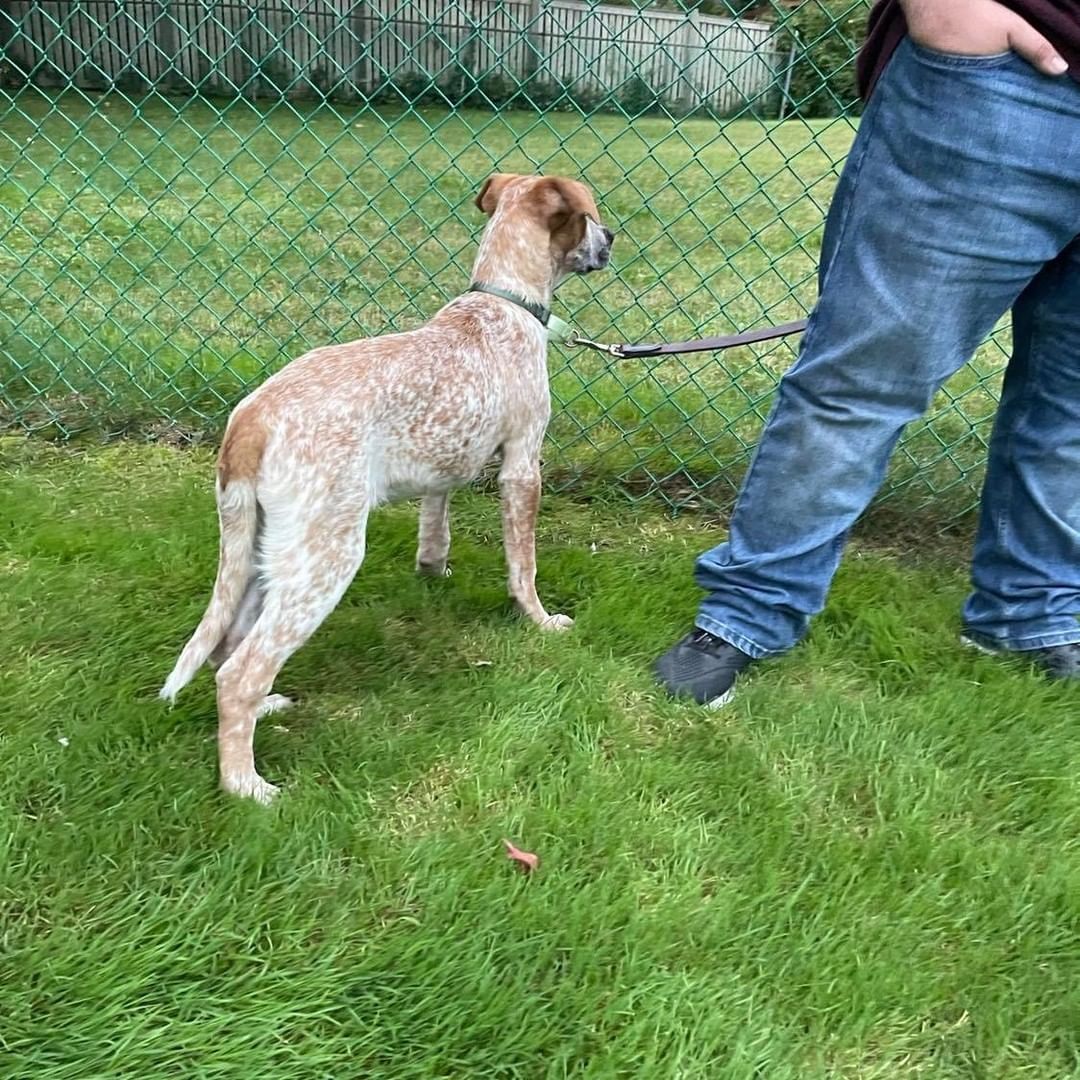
x=564 y=208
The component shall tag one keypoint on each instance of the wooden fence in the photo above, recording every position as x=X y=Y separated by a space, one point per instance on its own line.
x=341 y=48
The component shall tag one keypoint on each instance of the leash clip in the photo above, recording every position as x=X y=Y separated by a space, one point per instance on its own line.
x=599 y=346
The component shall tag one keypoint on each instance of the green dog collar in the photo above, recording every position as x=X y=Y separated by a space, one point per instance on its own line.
x=537 y=311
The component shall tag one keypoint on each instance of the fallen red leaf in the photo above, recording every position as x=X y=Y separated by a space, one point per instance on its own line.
x=525 y=859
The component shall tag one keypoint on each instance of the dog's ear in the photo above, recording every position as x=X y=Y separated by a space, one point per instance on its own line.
x=493 y=187
x=561 y=202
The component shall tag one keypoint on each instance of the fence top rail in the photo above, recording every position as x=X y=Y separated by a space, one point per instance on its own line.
x=310 y=9
x=648 y=13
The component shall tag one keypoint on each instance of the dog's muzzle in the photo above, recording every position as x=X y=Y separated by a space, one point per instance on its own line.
x=595 y=253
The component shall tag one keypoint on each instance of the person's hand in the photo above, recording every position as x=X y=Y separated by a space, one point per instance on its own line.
x=979 y=28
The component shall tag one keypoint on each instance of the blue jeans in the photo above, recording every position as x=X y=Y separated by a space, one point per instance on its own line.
x=960 y=200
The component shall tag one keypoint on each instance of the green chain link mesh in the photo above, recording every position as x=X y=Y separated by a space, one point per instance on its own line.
x=194 y=191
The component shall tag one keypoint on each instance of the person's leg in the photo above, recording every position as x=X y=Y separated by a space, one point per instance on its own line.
x=1026 y=571
x=964 y=181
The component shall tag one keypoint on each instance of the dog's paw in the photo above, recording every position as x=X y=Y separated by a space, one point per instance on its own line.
x=557 y=622
x=434 y=569
x=251 y=786
x=273 y=703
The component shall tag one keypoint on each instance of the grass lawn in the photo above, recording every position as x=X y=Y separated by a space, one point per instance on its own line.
x=160 y=257
x=865 y=868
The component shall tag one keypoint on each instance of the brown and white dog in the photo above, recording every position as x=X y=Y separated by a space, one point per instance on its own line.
x=312 y=451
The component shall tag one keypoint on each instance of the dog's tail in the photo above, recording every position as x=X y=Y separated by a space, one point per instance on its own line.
x=237 y=502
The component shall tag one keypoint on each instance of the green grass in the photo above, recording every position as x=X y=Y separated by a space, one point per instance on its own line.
x=866 y=868
x=161 y=257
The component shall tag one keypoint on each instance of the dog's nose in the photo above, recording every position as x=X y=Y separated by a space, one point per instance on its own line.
x=605 y=251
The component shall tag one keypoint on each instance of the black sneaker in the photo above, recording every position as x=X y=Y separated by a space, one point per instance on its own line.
x=702 y=667
x=1055 y=661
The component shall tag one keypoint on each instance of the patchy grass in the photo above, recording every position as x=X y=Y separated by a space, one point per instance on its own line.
x=866 y=868
x=162 y=255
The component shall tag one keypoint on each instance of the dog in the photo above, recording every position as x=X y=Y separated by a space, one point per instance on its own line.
x=344 y=428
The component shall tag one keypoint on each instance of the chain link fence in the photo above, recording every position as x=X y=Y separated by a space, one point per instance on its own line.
x=194 y=191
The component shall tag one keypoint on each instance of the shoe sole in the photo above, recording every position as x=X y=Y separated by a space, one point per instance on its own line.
x=968 y=643
x=726 y=698
x=1016 y=655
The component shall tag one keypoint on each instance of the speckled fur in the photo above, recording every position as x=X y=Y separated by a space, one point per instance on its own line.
x=344 y=428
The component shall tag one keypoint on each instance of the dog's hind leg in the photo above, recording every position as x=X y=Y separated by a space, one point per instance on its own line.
x=305 y=578
x=246 y=616
x=433 y=548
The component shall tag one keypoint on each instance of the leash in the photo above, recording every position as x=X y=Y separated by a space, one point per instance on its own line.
x=564 y=334
x=627 y=351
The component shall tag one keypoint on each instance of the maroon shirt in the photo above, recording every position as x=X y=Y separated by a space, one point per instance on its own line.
x=1056 y=20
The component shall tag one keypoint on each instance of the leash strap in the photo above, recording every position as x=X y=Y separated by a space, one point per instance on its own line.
x=714 y=344
x=559 y=331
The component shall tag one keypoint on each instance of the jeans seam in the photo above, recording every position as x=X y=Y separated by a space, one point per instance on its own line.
x=869 y=124
x=1003 y=524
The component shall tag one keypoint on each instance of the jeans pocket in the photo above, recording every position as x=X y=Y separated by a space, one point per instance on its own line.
x=962 y=60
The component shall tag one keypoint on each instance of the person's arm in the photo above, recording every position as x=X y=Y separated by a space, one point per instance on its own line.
x=979 y=28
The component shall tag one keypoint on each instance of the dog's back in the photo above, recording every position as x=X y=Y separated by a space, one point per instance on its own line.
x=409 y=414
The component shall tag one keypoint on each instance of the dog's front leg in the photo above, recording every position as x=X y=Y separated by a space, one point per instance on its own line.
x=433 y=548
x=519 y=483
